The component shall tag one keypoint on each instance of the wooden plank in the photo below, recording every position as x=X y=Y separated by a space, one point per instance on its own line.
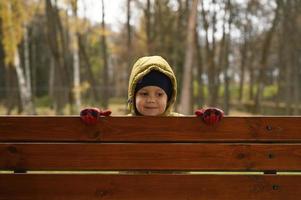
x=151 y=156
x=144 y=187
x=147 y=129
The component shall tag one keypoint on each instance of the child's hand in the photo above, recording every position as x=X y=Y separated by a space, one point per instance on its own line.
x=210 y=115
x=90 y=116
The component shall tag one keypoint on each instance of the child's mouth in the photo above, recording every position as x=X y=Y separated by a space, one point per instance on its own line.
x=150 y=107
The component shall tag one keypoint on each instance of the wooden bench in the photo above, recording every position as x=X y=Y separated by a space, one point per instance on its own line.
x=166 y=158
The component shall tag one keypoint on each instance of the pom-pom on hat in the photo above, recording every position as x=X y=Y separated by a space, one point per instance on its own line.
x=155 y=78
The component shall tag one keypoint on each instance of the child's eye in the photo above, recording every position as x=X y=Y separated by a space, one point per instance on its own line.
x=143 y=93
x=160 y=94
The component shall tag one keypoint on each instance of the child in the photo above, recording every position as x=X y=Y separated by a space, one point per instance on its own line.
x=152 y=91
x=152 y=88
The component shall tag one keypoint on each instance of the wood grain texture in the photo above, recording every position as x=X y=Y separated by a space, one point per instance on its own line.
x=147 y=129
x=150 y=144
x=150 y=156
x=148 y=187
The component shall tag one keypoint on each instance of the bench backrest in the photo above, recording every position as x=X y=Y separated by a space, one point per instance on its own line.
x=149 y=158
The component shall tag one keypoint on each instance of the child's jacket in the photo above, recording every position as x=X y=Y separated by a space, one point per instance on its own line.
x=143 y=66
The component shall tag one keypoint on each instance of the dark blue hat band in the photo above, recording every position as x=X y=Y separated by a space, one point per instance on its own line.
x=155 y=78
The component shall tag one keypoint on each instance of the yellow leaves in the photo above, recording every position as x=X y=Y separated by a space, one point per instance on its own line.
x=73 y=4
x=84 y=86
x=95 y=35
x=106 y=32
x=13 y=22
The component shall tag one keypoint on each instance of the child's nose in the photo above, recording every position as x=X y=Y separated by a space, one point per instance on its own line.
x=151 y=99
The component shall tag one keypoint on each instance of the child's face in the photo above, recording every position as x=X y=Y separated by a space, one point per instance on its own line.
x=151 y=101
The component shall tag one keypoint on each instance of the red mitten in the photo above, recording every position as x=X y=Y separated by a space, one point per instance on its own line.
x=90 y=116
x=105 y=113
x=210 y=115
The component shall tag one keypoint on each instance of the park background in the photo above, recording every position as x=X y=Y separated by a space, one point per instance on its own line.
x=59 y=56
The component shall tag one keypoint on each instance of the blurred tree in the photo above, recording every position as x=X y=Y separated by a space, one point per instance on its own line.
x=209 y=24
x=290 y=53
x=147 y=13
x=186 y=105
x=58 y=44
x=13 y=25
x=238 y=53
x=246 y=27
x=2 y=68
x=76 y=63
x=129 y=36
x=200 y=93
x=105 y=72
x=263 y=60
x=225 y=52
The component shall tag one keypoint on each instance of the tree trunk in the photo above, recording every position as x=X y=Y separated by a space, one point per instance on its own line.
x=210 y=58
x=281 y=67
x=129 y=29
x=76 y=75
x=33 y=66
x=76 y=62
x=250 y=67
x=263 y=61
x=88 y=66
x=179 y=36
x=14 y=34
x=295 y=49
x=105 y=74
x=226 y=59
x=11 y=89
x=147 y=14
x=185 y=106
x=244 y=49
x=25 y=94
x=65 y=52
x=226 y=78
x=243 y=57
x=60 y=74
x=129 y=39
x=200 y=97
x=51 y=84
x=28 y=70
x=213 y=93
